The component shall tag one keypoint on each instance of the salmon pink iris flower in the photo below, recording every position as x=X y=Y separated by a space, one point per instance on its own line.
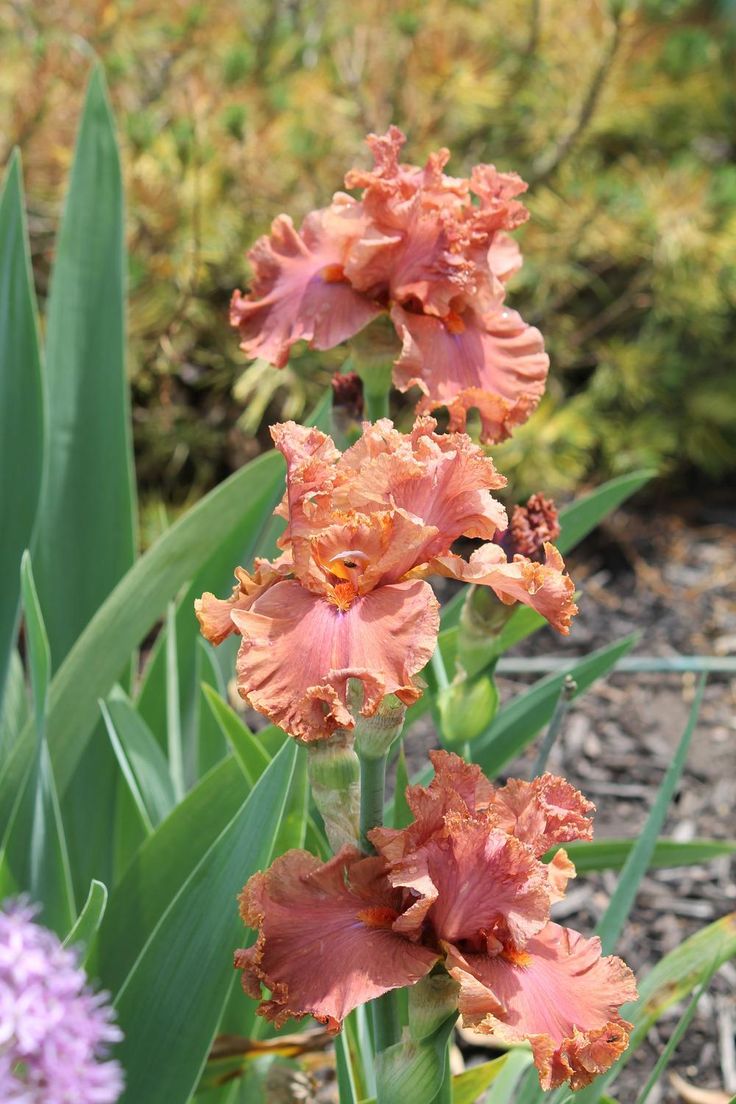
x=347 y=599
x=431 y=250
x=462 y=885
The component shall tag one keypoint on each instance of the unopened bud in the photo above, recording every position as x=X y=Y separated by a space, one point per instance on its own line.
x=431 y=1001
x=375 y=735
x=482 y=620
x=334 y=775
x=467 y=707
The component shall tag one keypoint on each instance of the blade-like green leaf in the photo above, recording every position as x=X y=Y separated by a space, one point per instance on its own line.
x=293 y=829
x=247 y=748
x=174 y=733
x=171 y=1001
x=505 y=1084
x=38 y=651
x=21 y=405
x=140 y=758
x=85 y=533
x=216 y=575
x=48 y=877
x=128 y=828
x=161 y=867
x=474 y=1082
x=611 y=854
x=680 y=971
x=86 y=526
x=640 y=856
x=581 y=517
x=210 y=740
x=517 y=723
x=684 y=1022
x=89 y=920
x=347 y=1091
x=99 y=656
x=15 y=706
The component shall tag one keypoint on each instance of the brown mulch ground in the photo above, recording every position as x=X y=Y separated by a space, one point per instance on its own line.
x=675 y=582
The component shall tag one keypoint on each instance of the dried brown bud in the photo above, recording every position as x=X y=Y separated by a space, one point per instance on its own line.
x=530 y=527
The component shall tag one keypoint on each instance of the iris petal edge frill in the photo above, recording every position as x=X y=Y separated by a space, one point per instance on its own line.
x=559 y=994
x=325 y=943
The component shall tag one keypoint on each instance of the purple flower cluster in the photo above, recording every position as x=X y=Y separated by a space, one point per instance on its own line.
x=54 y=1030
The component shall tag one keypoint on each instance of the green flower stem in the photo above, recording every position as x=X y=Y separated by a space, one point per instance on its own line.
x=372 y=789
x=376 y=405
x=376 y=377
x=439 y=670
x=385 y=1009
x=567 y=693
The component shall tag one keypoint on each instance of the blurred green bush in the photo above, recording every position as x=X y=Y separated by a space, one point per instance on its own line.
x=619 y=114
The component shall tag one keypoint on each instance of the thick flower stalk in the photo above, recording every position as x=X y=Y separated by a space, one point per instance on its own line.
x=463 y=885
x=348 y=597
x=55 y=1032
x=430 y=250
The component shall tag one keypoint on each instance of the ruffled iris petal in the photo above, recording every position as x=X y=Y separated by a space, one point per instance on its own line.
x=486 y=887
x=443 y=479
x=299 y=291
x=325 y=943
x=299 y=650
x=559 y=994
x=495 y=363
x=546 y=587
x=543 y=812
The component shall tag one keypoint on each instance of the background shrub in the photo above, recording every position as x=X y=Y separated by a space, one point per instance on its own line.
x=225 y=122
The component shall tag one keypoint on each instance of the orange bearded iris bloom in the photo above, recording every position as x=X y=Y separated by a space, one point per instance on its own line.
x=432 y=250
x=347 y=599
x=463 y=885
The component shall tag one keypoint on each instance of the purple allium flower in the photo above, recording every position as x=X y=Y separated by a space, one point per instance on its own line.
x=54 y=1030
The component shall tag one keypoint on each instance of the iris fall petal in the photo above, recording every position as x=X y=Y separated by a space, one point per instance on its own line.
x=299 y=649
x=325 y=943
x=299 y=290
x=559 y=994
x=495 y=363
